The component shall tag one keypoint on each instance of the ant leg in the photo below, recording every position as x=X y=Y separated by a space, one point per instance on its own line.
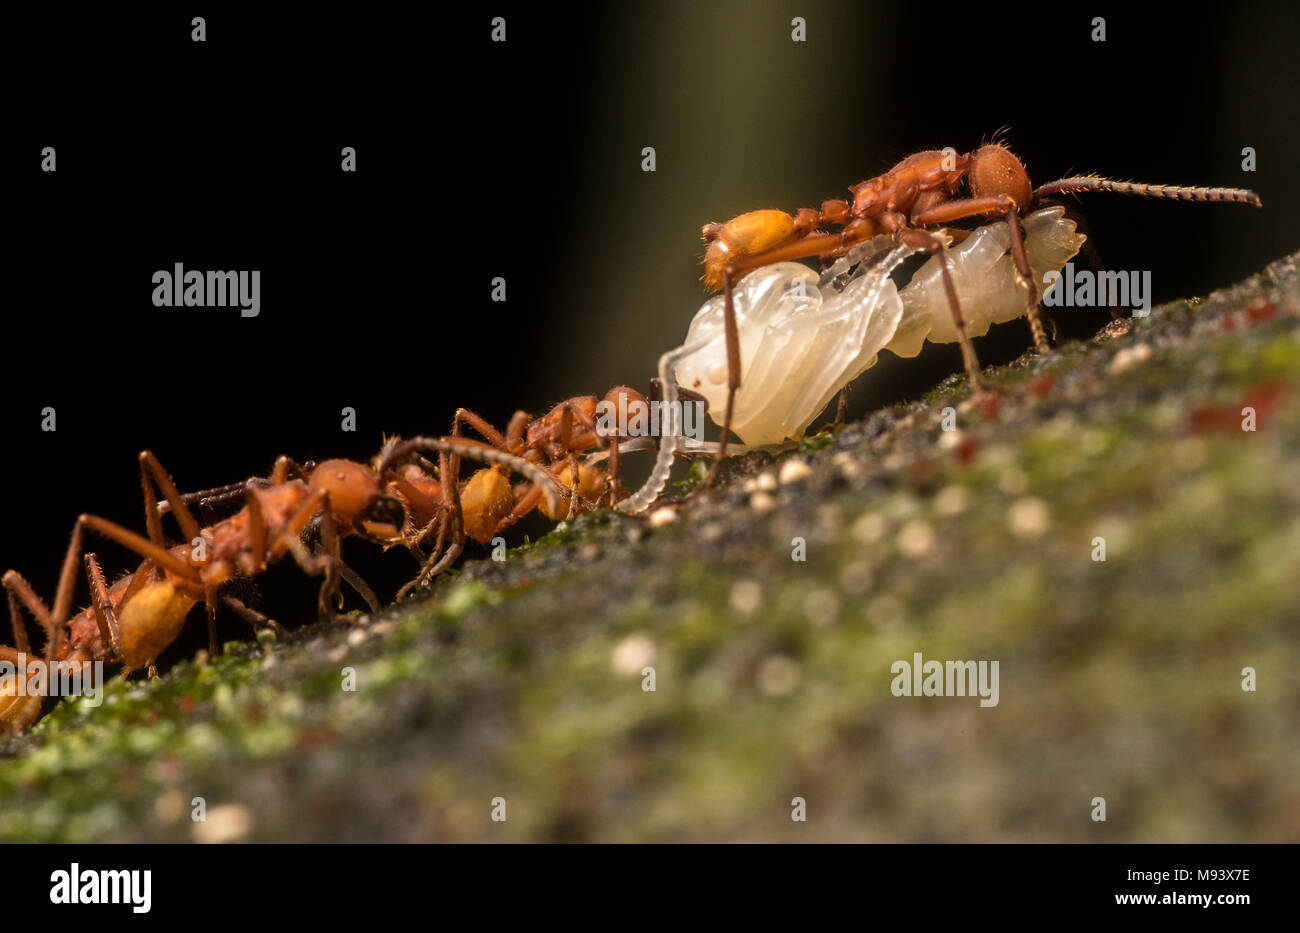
x=841 y=411
x=479 y=424
x=50 y=622
x=733 y=383
x=517 y=429
x=250 y=615
x=925 y=241
x=573 y=484
x=438 y=559
x=527 y=502
x=104 y=614
x=17 y=623
x=210 y=604
x=283 y=467
x=615 y=474
x=313 y=564
x=20 y=592
x=994 y=204
x=1025 y=276
x=256 y=527
x=1098 y=267
x=329 y=538
x=144 y=547
x=189 y=527
x=353 y=579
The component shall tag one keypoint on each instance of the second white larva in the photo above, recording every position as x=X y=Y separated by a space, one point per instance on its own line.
x=984 y=276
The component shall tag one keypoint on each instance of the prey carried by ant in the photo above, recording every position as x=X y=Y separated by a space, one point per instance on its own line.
x=906 y=203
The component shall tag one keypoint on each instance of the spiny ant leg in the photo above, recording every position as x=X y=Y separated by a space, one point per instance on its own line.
x=448 y=521
x=149 y=464
x=928 y=242
x=479 y=424
x=142 y=546
x=18 y=625
x=1025 y=276
x=20 y=592
x=250 y=615
x=104 y=614
x=962 y=208
x=353 y=579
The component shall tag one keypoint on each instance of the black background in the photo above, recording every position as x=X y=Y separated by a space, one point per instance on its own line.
x=522 y=159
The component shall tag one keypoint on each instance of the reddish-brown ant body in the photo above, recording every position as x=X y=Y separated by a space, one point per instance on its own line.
x=545 y=450
x=920 y=191
x=130 y=622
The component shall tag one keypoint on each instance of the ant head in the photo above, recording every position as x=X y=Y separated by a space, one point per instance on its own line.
x=994 y=170
x=625 y=398
x=484 y=502
x=356 y=496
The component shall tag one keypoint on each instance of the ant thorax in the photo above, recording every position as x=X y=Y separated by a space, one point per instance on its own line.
x=804 y=337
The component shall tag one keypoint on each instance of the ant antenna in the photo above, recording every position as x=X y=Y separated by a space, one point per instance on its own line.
x=1173 y=192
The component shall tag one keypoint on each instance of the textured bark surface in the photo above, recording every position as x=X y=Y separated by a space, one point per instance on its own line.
x=1119 y=679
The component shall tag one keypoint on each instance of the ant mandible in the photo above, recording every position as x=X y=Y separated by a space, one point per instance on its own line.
x=918 y=192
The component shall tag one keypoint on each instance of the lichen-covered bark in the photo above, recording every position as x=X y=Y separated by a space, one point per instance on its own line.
x=1119 y=679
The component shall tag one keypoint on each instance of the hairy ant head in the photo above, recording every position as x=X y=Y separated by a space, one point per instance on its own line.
x=994 y=171
x=353 y=489
x=484 y=502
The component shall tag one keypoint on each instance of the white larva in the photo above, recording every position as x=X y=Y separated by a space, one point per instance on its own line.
x=984 y=276
x=801 y=342
x=798 y=351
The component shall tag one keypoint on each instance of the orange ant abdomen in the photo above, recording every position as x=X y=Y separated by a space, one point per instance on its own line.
x=485 y=501
x=746 y=235
x=150 y=621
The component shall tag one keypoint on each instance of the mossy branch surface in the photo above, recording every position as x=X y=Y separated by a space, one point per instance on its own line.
x=523 y=679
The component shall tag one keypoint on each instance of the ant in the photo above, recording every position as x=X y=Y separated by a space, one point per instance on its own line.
x=557 y=438
x=919 y=192
x=132 y=621
x=479 y=508
x=545 y=450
